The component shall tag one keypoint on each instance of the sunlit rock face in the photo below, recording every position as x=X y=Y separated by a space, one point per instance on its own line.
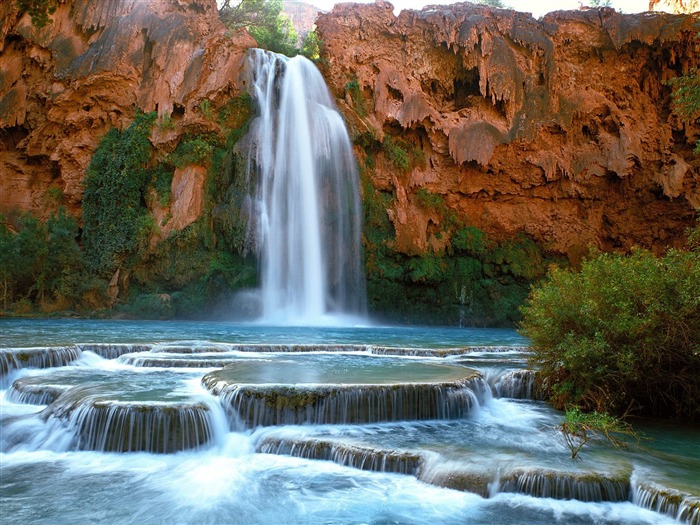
x=560 y=128
x=62 y=87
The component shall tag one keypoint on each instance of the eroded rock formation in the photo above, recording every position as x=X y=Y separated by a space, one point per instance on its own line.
x=63 y=86
x=560 y=128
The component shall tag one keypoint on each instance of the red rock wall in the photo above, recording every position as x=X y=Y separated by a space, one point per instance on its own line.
x=560 y=128
x=64 y=86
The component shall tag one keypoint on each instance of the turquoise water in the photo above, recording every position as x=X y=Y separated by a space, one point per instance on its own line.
x=60 y=332
x=45 y=480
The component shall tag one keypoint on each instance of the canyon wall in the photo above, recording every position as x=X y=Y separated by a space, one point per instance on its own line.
x=561 y=128
x=62 y=87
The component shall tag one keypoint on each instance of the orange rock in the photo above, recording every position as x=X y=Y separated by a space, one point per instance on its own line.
x=560 y=128
x=64 y=86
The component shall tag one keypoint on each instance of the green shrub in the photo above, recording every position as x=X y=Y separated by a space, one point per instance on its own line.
x=470 y=241
x=39 y=10
x=578 y=428
x=312 y=46
x=150 y=306
x=352 y=88
x=623 y=333
x=193 y=151
x=113 y=202
x=397 y=153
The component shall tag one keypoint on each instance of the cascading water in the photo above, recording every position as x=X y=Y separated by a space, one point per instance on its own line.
x=365 y=430
x=305 y=214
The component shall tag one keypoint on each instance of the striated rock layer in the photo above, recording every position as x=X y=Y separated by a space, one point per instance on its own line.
x=64 y=86
x=561 y=128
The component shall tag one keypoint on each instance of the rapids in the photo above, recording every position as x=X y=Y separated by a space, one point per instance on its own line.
x=129 y=430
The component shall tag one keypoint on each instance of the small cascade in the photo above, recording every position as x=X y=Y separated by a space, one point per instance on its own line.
x=680 y=505
x=266 y=405
x=565 y=485
x=113 y=350
x=515 y=384
x=150 y=361
x=362 y=458
x=454 y=476
x=112 y=426
x=27 y=391
x=41 y=357
x=443 y=352
x=198 y=347
x=305 y=208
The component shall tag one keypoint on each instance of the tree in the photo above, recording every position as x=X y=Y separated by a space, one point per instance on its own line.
x=311 y=46
x=9 y=261
x=64 y=263
x=265 y=22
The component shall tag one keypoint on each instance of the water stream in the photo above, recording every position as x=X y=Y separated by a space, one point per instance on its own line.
x=377 y=425
x=305 y=214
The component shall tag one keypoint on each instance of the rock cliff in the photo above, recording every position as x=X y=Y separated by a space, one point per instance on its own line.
x=560 y=128
x=63 y=86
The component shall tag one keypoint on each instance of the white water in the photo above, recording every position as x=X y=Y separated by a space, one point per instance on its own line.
x=238 y=478
x=306 y=216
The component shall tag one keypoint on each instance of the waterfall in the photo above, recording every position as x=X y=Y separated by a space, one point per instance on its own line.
x=305 y=212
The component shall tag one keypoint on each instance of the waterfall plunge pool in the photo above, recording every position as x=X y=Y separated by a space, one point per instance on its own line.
x=500 y=460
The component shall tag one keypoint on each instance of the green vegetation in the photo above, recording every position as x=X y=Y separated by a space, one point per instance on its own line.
x=686 y=97
x=578 y=428
x=265 y=22
x=54 y=266
x=41 y=263
x=622 y=335
x=477 y=281
x=193 y=151
x=352 y=88
x=398 y=154
x=115 y=217
x=39 y=10
x=312 y=46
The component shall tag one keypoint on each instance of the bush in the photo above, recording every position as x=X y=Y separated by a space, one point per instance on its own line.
x=623 y=333
x=114 y=211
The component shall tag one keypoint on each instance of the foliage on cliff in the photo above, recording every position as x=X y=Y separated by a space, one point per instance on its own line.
x=115 y=216
x=686 y=97
x=53 y=265
x=39 y=10
x=265 y=22
x=477 y=281
x=623 y=334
